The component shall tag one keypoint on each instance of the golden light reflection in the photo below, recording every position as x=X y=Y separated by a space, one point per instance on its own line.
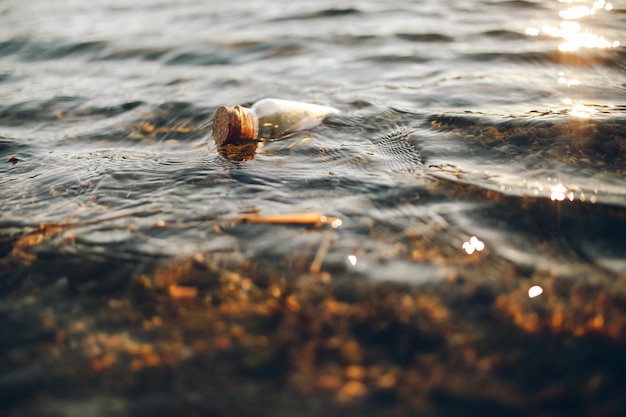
x=559 y=192
x=575 y=38
x=535 y=291
x=580 y=110
x=473 y=245
x=335 y=223
x=576 y=12
x=573 y=34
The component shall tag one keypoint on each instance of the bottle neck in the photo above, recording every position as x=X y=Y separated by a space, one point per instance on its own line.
x=249 y=124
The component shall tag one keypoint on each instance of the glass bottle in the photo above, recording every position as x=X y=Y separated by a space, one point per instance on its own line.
x=269 y=118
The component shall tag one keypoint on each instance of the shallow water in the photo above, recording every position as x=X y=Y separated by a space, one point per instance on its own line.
x=478 y=152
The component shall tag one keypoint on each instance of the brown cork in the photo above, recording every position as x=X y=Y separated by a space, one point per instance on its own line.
x=234 y=125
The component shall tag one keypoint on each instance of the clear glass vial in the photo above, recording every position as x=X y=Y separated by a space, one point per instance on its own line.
x=269 y=118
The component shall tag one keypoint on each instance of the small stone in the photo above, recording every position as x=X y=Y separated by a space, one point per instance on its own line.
x=351 y=390
x=351 y=352
x=355 y=372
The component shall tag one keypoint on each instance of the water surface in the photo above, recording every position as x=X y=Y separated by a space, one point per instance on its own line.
x=479 y=152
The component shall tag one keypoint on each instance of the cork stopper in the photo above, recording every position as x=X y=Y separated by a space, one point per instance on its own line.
x=234 y=125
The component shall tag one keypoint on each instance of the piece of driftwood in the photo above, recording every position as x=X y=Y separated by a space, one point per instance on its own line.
x=316 y=219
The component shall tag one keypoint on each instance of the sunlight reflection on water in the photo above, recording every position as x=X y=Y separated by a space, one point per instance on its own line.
x=535 y=291
x=575 y=35
x=473 y=245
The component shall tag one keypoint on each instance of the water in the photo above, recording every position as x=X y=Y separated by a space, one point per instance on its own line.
x=479 y=152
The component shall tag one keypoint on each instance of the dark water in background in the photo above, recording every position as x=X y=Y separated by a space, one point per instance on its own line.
x=499 y=120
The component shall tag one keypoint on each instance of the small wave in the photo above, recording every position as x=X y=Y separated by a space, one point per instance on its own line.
x=611 y=58
x=598 y=140
x=520 y=4
x=121 y=53
x=235 y=54
x=505 y=35
x=61 y=110
x=29 y=112
x=349 y=39
x=205 y=58
x=400 y=154
x=395 y=59
x=31 y=50
x=326 y=13
x=424 y=37
x=578 y=159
